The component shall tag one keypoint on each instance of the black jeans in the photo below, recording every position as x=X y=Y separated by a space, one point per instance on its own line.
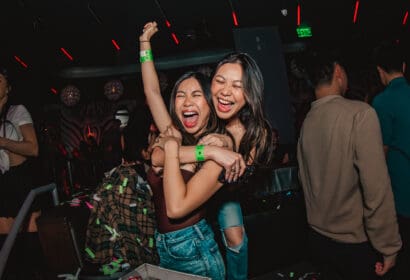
x=402 y=269
x=347 y=261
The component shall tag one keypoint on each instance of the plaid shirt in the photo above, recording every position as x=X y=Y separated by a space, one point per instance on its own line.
x=122 y=221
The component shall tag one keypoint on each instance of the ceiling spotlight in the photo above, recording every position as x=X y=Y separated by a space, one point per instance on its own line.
x=284 y=12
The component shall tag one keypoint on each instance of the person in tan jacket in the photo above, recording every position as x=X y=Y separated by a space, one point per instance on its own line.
x=349 y=201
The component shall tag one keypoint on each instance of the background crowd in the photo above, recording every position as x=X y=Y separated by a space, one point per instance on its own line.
x=212 y=149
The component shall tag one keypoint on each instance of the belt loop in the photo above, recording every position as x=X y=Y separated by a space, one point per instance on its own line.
x=199 y=232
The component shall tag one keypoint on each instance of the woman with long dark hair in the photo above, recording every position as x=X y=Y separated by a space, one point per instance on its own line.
x=237 y=88
x=18 y=142
x=185 y=241
x=237 y=94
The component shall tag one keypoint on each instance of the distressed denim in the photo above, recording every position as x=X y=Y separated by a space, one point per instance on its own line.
x=191 y=250
x=230 y=215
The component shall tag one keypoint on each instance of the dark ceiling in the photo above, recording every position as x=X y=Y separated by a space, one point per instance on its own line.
x=36 y=30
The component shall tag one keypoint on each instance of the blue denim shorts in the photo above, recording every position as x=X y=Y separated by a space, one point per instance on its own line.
x=191 y=250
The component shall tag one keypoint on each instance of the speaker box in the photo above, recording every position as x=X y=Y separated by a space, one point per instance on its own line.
x=277 y=232
x=59 y=244
x=62 y=233
x=265 y=46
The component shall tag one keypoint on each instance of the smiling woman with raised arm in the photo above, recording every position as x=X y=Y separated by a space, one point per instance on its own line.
x=237 y=95
x=163 y=119
x=184 y=239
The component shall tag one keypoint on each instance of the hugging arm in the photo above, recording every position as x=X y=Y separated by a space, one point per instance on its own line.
x=224 y=157
x=182 y=198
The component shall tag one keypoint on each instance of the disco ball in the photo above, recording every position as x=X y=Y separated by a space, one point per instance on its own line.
x=70 y=95
x=113 y=90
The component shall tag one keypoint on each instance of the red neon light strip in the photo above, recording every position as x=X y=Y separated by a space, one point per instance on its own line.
x=174 y=37
x=356 y=9
x=22 y=63
x=235 y=19
x=406 y=15
x=298 y=15
x=115 y=44
x=167 y=23
x=66 y=54
x=53 y=90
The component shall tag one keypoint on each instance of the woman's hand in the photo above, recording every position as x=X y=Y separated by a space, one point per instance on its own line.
x=232 y=162
x=150 y=28
x=171 y=143
x=216 y=139
x=171 y=134
x=171 y=131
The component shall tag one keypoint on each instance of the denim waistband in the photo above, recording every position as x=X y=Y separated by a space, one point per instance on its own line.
x=200 y=230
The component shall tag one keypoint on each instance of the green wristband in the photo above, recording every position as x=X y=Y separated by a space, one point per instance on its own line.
x=145 y=56
x=199 y=153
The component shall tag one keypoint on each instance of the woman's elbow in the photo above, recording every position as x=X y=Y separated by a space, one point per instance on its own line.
x=175 y=212
x=157 y=157
x=34 y=151
x=155 y=161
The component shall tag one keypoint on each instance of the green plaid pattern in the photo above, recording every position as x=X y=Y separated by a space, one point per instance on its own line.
x=122 y=222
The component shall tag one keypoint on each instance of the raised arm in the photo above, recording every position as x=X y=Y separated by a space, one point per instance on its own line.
x=150 y=80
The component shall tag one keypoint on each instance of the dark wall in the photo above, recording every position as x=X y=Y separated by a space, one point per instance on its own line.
x=265 y=46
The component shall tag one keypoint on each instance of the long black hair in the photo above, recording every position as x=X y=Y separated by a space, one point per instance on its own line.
x=214 y=125
x=5 y=109
x=258 y=133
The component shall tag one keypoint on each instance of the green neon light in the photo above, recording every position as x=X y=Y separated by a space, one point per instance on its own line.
x=304 y=31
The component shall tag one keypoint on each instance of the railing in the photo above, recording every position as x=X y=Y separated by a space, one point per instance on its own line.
x=11 y=237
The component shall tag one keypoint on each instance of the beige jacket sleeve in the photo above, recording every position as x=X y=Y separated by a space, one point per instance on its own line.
x=379 y=210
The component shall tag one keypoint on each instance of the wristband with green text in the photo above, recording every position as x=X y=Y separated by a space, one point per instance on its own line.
x=199 y=153
x=146 y=55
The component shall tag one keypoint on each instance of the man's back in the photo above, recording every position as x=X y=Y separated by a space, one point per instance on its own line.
x=343 y=173
x=392 y=108
x=348 y=196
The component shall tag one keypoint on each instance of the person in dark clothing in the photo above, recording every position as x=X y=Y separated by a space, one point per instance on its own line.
x=281 y=152
x=18 y=144
x=349 y=201
x=123 y=203
x=392 y=107
x=111 y=146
